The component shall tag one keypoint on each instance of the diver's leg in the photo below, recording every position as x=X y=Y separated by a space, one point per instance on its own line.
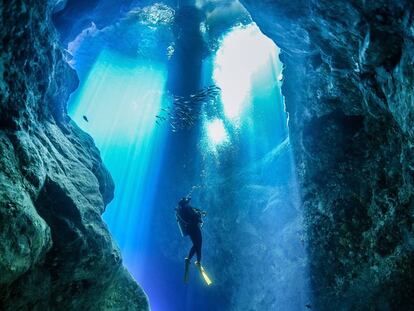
x=193 y=248
x=188 y=259
x=191 y=253
x=198 y=243
x=186 y=269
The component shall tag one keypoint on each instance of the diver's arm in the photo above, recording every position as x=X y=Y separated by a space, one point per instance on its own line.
x=201 y=212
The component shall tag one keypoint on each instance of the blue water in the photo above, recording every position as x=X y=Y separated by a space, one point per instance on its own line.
x=236 y=161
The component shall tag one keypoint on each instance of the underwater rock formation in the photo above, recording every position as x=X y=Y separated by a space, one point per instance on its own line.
x=55 y=251
x=349 y=94
x=348 y=89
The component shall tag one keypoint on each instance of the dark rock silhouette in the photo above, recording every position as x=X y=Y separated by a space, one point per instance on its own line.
x=347 y=84
x=348 y=87
x=55 y=251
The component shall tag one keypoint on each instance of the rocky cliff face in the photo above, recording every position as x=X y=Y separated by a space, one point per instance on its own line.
x=55 y=251
x=348 y=87
x=348 y=83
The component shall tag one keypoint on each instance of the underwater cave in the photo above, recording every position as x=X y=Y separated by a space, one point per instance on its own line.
x=282 y=129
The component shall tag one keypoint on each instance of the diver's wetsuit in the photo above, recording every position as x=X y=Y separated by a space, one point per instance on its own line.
x=196 y=238
x=193 y=220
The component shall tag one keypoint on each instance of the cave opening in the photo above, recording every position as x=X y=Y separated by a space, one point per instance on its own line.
x=235 y=159
x=167 y=92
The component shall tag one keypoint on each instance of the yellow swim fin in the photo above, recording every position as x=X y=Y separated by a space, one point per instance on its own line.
x=186 y=270
x=204 y=274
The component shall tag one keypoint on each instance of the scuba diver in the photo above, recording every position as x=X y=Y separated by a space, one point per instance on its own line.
x=190 y=221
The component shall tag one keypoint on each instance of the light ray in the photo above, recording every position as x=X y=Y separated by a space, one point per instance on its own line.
x=121 y=98
x=242 y=53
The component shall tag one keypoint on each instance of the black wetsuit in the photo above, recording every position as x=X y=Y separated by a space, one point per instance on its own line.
x=197 y=239
x=193 y=220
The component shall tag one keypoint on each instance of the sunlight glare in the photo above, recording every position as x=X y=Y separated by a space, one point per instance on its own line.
x=216 y=132
x=244 y=51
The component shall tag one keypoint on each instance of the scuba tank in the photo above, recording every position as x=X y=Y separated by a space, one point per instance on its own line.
x=188 y=216
x=182 y=224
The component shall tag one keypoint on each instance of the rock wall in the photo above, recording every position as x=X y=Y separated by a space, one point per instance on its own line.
x=55 y=251
x=348 y=85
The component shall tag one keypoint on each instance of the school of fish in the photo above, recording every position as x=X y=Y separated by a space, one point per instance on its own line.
x=184 y=111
